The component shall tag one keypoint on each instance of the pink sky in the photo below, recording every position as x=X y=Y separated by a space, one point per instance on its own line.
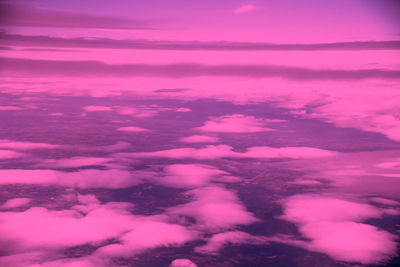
x=331 y=62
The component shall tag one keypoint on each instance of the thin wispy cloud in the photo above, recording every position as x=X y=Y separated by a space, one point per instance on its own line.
x=181 y=70
x=244 y=8
x=12 y=39
x=15 y=14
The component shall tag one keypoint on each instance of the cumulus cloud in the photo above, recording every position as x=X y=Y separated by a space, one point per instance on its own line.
x=45 y=232
x=79 y=179
x=182 y=263
x=244 y=8
x=218 y=241
x=199 y=139
x=214 y=208
x=193 y=175
x=148 y=234
x=334 y=226
x=236 y=123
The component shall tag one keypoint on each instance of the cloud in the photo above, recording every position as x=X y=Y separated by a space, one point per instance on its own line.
x=74 y=162
x=244 y=8
x=171 y=90
x=193 y=175
x=31 y=16
x=181 y=70
x=148 y=234
x=224 y=151
x=45 y=233
x=132 y=129
x=96 y=108
x=199 y=139
x=79 y=179
x=214 y=208
x=182 y=263
x=334 y=226
x=236 y=123
x=25 y=145
x=218 y=241
x=15 y=203
x=146 y=44
x=9 y=154
x=10 y=108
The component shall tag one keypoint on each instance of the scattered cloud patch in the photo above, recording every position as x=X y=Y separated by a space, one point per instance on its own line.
x=224 y=151
x=79 y=179
x=9 y=154
x=15 y=203
x=199 y=139
x=132 y=129
x=334 y=226
x=96 y=108
x=214 y=208
x=182 y=263
x=74 y=162
x=193 y=175
x=25 y=145
x=236 y=123
x=218 y=241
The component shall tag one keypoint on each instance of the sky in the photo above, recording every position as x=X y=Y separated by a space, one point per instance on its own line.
x=137 y=125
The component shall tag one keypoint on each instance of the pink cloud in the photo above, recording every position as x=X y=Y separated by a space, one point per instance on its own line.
x=334 y=227
x=96 y=108
x=182 y=263
x=15 y=203
x=148 y=234
x=74 y=162
x=218 y=241
x=236 y=123
x=9 y=154
x=43 y=232
x=214 y=208
x=80 y=179
x=224 y=151
x=199 y=139
x=193 y=175
x=10 y=108
x=133 y=129
x=244 y=8
x=25 y=145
